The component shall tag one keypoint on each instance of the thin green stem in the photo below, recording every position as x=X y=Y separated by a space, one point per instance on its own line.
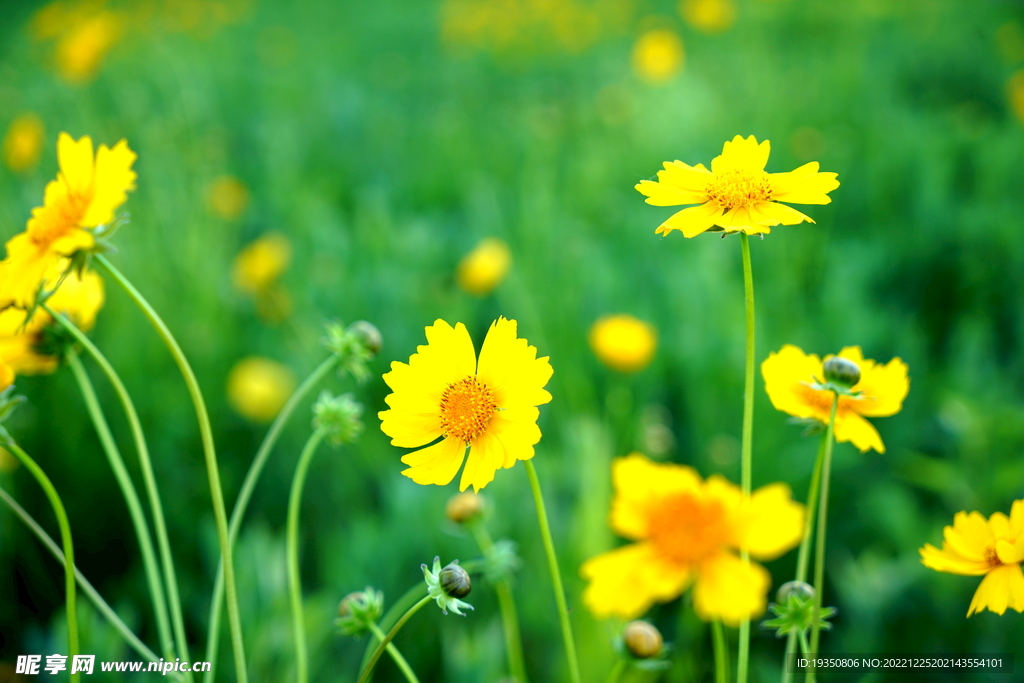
x=746 y=450
x=819 y=554
x=721 y=650
x=556 y=575
x=294 y=579
x=395 y=655
x=210 y=455
x=65 y=538
x=244 y=495
x=131 y=497
x=617 y=670
x=368 y=669
x=400 y=607
x=506 y=603
x=148 y=478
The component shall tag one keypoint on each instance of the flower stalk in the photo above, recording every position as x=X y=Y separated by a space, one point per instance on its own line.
x=399 y=660
x=372 y=662
x=746 y=450
x=819 y=555
x=721 y=652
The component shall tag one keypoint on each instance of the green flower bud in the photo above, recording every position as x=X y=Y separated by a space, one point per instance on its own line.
x=842 y=372
x=358 y=610
x=455 y=580
x=368 y=334
x=440 y=581
x=338 y=416
x=354 y=346
x=798 y=589
x=642 y=639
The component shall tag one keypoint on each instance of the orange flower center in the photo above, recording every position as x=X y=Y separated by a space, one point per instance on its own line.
x=739 y=188
x=991 y=556
x=688 y=530
x=466 y=409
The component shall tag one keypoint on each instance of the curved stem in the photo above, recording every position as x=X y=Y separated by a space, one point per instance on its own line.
x=368 y=669
x=294 y=580
x=400 y=607
x=131 y=497
x=65 y=538
x=242 y=502
x=395 y=655
x=153 y=493
x=819 y=554
x=721 y=651
x=210 y=455
x=746 y=451
x=556 y=576
x=617 y=671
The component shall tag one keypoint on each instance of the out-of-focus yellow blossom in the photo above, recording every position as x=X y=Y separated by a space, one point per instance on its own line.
x=623 y=343
x=1015 y=93
x=81 y=51
x=658 y=55
x=571 y=25
x=445 y=395
x=974 y=546
x=258 y=388
x=8 y=463
x=686 y=532
x=737 y=195
x=709 y=16
x=788 y=376
x=228 y=198
x=87 y=192
x=258 y=266
x=23 y=143
x=484 y=268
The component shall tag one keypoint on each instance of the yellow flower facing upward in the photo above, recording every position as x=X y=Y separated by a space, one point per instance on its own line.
x=737 y=194
x=974 y=546
x=259 y=387
x=623 y=343
x=484 y=268
x=261 y=263
x=23 y=143
x=658 y=55
x=687 y=531
x=788 y=376
x=445 y=395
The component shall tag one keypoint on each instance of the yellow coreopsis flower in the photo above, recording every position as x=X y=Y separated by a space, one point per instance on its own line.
x=974 y=546
x=445 y=395
x=737 y=194
x=259 y=387
x=789 y=374
x=23 y=142
x=658 y=55
x=623 y=343
x=483 y=269
x=687 y=531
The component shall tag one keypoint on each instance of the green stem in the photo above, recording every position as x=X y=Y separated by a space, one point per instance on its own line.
x=721 y=651
x=819 y=554
x=131 y=497
x=65 y=538
x=746 y=451
x=507 y=604
x=294 y=580
x=400 y=607
x=368 y=669
x=152 y=492
x=238 y=512
x=556 y=576
x=209 y=453
x=617 y=671
x=395 y=655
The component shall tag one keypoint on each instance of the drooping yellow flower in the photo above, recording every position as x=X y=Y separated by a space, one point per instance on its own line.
x=228 y=198
x=709 y=16
x=658 y=55
x=258 y=388
x=737 y=194
x=488 y=406
x=687 y=531
x=974 y=546
x=23 y=143
x=623 y=343
x=260 y=263
x=789 y=373
x=484 y=268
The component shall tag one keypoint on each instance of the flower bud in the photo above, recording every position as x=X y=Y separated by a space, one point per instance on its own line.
x=842 y=372
x=463 y=507
x=799 y=589
x=368 y=334
x=642 y=639
x=338 y=416
x=455 y=580
x=345 y=606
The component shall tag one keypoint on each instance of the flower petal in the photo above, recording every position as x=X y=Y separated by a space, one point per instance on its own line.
x=113 y=179
x=640 y=485
x=1001 y=588
x=517 y=430
x=437 y=464
x=510 y=367
x=949 y=561
x=780 y=213
x=785 y=376
x=447 y=358
x=486 y=456
x=628 y=580
x=853 y=428
x=692 y=221
x=969 y=536
x=409 y=429
x=742 y=153
x=730 y=590
x=884 y=386
x=772 y=522
x=77 y=167
x=804 y=185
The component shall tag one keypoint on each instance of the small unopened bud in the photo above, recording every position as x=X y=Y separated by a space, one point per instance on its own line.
x=345 y=606
x=368 y=334
x=799 y=589
x=338 y=416
x=642 y=639
x=842 y=372
x=358 y=611
x=462 y=507
x=455 y=580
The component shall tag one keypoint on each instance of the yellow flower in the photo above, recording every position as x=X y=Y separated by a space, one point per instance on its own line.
x=709 y=16
x=23 y=143
x=623 y=342
x=736 y=194
x=787 y=377
x=259 y=387
x=687 y=531
x=658 y=55
x=87 y=192
x=483 y=269
x=81 y=51
x=259 y=265
x=488 y=406
x=995 y=547
x=228 y=198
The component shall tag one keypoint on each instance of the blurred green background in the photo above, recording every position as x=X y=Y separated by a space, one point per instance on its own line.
x=384 y=140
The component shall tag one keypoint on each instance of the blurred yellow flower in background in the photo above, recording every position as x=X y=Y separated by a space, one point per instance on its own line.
x=261 y=263
x=623 y=343
x=489 y=407
x=81 y=51
x=658 y=55
x=259 y=387
x=736 y=194
x=571 y=25
x=709 y=16
x=974 y=546
x=23 y=143
x=228 y=197
x=687 y=531
x=484 y=268
x=789 y=373
x=1015 y=93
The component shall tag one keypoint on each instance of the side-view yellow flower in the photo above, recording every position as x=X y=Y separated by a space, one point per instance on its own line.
x=788 y=376
x=974 y=546
x=737 y=194
x=686 y=532
x=488 y=406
